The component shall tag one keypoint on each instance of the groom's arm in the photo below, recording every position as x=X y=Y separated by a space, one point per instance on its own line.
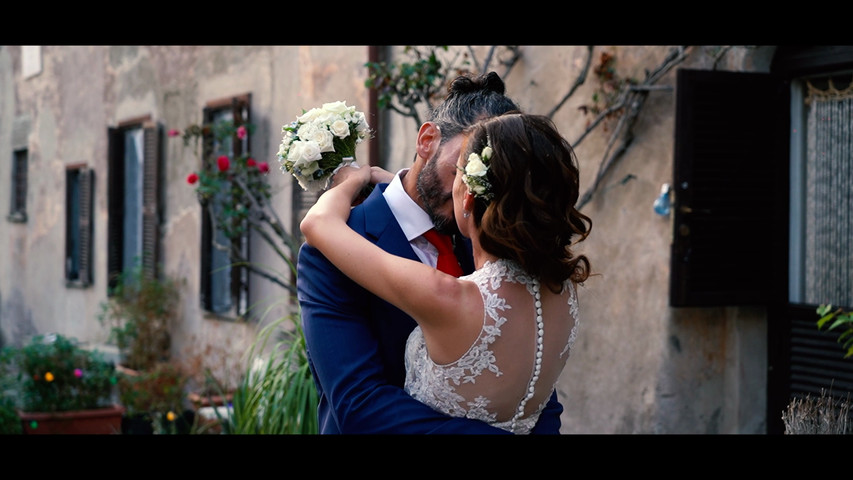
x=345 y=349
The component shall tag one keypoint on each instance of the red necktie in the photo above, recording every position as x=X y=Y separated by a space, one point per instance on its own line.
x=447 y=262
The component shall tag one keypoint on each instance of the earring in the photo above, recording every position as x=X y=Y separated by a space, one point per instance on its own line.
x=466 y=214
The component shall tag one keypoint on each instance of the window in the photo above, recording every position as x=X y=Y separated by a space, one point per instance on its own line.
x=79 y=188
x=821 y=232
x=224 y=282
x=18 y=210
x=133 y=199
x=802 y=360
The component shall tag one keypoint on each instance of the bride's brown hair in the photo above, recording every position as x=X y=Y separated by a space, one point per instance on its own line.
x=534 y=178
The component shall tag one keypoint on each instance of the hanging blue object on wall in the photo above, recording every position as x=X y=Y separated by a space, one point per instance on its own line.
x=661 y=205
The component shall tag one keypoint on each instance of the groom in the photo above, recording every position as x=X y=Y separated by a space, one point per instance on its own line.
x=355 y=340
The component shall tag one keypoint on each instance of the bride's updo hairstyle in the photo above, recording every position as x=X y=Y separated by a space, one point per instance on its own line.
x=533 y=178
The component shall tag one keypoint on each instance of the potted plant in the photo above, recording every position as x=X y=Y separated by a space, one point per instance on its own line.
x=140 y=313
x=155 y=400
x=64 y=388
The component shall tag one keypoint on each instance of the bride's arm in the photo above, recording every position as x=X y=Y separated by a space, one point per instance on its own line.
x=429 y=296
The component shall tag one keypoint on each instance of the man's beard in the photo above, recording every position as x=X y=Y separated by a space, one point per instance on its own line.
x=432 y=196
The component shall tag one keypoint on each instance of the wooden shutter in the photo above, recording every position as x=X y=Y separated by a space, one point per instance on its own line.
x=239 y=274
x=207 y=234
x=730 y=180
x=151 y=200
x=18 y=210
x=87 y=190
x=115 y=205
x=206 y=259
x=79 y=181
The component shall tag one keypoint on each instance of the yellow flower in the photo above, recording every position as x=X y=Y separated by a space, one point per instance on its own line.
x=48 y=376
x=171 y=416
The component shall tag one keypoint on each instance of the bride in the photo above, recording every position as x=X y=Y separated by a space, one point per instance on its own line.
x=490 y=345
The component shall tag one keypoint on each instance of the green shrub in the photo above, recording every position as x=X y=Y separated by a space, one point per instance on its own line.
x=10 y=423
x=277 y=393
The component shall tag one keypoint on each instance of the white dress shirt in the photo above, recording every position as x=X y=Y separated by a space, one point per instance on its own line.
x=412 y=219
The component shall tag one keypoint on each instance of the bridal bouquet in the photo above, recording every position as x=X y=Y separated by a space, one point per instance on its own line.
x=321 y=141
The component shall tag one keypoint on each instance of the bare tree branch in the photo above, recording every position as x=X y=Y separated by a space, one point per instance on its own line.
x=581 y=78
x=486 y=65
x=634 y=97
x=623 y=99
x=510 y=62
x=237 y=256
x=720 y=55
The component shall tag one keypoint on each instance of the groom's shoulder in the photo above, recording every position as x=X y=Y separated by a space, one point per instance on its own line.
x=358 y=217
x=371 y=213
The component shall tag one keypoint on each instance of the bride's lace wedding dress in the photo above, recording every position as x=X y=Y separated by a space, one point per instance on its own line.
x=508 y=374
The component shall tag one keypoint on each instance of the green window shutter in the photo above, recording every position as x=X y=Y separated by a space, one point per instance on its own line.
x=86 y=224
x=115 y=205
x=79 y=184
x=152 y=138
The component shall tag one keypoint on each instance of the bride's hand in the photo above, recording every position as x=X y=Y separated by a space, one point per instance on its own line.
x=380 y=175
x=360 y=176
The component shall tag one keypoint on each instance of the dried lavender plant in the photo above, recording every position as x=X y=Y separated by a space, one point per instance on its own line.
x=823 y=416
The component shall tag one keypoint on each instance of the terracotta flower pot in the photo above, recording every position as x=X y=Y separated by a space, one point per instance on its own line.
x=99 y=421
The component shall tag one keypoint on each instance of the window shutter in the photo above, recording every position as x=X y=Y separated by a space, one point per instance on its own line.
x=205 y=282
x=151 y=200
x=115 y=205
x=18 y=210
x=87 y=189
x=730 y=179
x=206 y=259
x=240 y=274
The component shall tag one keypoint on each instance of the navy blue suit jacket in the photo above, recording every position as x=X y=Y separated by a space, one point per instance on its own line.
x=356 y=343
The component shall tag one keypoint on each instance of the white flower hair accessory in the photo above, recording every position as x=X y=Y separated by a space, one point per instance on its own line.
x=475 y=173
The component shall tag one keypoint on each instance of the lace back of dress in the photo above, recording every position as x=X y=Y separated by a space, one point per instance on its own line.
x=533 y=331
x=537 y=363
x=508 y=374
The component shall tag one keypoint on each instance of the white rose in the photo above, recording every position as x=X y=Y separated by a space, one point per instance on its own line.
x=301 y=152
x=339 y=128
x=309 y=116
x=310 y=151
x=478 y=189
x=338 y=108
x=475 y=166
x=323 y=138
x=306 y=131
x=487 y=152
x=294 y=153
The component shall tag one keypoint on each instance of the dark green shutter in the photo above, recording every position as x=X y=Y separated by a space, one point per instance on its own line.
x=240 y=274
x=87 y=190
x=151 y=200
x=730 y=185
x=115 y=205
